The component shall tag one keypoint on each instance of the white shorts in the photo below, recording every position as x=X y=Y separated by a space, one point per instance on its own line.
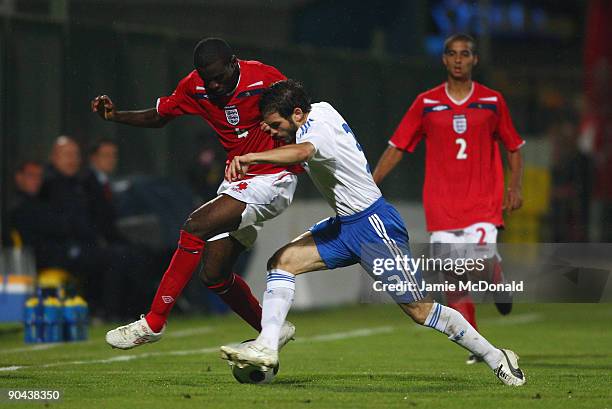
x=476 y=241
x=266 y=196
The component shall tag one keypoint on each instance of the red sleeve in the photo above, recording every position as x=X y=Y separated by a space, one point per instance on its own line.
x=505 y=128
x=180 y=102
x=410 y=129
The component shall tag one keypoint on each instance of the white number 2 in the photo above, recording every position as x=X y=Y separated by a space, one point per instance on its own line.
x=462 y=145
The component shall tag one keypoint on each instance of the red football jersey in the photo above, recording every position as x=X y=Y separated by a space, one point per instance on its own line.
x=238 y=122
x=464 y=179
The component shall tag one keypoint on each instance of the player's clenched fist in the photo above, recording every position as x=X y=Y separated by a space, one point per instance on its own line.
x=103 y=105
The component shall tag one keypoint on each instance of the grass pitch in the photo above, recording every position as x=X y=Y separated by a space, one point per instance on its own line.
x=368 y=356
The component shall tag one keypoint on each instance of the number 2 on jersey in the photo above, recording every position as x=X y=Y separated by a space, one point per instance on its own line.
x=461 y=154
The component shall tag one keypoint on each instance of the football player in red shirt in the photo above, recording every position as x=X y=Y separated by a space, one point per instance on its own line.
x=461 y=122
x=224 y=91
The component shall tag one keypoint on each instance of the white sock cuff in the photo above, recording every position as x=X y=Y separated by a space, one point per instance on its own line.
x=433 y=319
x=278 y=278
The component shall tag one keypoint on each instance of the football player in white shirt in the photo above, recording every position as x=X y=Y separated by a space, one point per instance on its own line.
x=364 y=230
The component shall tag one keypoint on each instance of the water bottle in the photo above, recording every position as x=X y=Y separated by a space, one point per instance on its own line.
x=81 y=312
x=52 y=320
x=31 y=321
x=71 y=320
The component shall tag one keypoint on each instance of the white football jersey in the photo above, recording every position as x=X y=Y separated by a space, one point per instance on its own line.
x=338 y=168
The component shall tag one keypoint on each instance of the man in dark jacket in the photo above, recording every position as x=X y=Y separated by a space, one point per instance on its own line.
x=103 y=154
x=28 y=214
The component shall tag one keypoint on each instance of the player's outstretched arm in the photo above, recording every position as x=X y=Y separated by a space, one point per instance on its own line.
x=146 y=118
x=389 y=160
x=285 y=155
x=513 y=199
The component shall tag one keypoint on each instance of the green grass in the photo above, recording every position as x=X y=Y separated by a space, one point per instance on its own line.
x=566 y=353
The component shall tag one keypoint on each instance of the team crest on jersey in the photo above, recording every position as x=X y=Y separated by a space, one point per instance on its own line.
x=459 y=123
x=231 y=113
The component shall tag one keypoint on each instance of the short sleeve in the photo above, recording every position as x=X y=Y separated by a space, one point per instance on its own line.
x=410 y=129
x=179 y=103
x=505 y=128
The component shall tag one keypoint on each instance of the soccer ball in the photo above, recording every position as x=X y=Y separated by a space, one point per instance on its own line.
x=253 y=374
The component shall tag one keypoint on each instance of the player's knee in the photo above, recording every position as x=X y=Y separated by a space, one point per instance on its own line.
x=194 y=225
x=210 y=277
x=190 y=226
x=204 y=277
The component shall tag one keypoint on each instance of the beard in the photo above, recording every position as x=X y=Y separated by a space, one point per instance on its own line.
x=289 y=138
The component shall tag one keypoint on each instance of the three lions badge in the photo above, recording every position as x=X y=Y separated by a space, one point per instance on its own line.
x=459 y=123
x=231 y=114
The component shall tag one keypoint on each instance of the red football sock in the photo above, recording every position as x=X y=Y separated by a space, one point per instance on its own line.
x=179 y=272
x=236 y=293
x=462 y=302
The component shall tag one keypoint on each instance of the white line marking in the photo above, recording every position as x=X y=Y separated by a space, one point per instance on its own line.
x=40 y=347
x=10 y=368
x=44 y=347
x=125 y=358
x=361 y=332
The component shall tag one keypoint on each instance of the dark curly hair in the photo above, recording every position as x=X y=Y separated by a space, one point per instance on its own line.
x=283 y=97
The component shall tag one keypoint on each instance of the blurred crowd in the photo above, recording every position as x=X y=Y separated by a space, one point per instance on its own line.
x=580 y=208
x=72 y=210
x=64 y=210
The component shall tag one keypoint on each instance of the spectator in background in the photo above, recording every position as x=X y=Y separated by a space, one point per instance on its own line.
x=29 y=178
x=28 y=213
x=71 y=229
x=571 y=183
x=103 y=154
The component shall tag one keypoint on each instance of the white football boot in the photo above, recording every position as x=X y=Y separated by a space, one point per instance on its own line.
x=250 y=353
x=508 y=370
x=133 y=335
x=233 y=353
x=286 y=334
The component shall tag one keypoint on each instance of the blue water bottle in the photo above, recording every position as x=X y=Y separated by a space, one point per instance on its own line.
x=52 y=320
x=82 y=312
x=71 y=320
x=31 y=321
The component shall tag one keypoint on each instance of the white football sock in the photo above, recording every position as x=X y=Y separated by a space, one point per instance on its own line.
x=450 y=322
x=277 y=301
